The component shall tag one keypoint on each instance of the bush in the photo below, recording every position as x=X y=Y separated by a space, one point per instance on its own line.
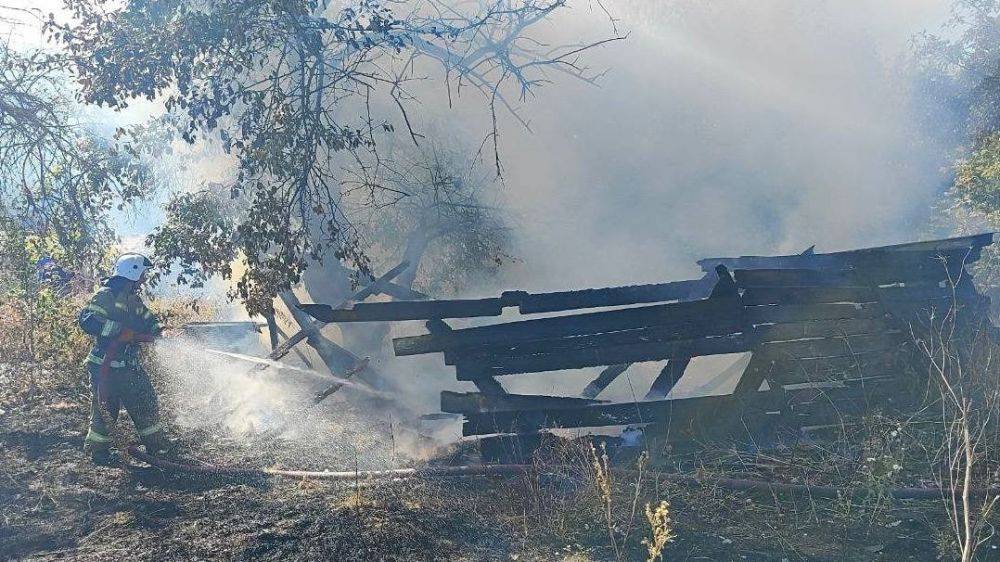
x=41 y=345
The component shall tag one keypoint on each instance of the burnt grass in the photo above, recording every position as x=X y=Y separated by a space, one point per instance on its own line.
x=55 y=505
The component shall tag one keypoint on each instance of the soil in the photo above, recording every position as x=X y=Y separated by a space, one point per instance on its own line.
x=54 y=504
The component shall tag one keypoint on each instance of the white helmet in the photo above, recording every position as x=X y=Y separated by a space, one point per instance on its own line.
x=131 y=266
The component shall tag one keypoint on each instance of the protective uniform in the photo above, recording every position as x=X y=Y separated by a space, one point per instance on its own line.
x=119 y=321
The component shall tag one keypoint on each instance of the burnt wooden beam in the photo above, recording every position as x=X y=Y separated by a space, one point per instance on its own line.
x=668 y=378
x=835 y=346
x=309 y=326
x=489 y=386
x=336 y=358
x=326 y=392
x=400 y=292
x=719 y=315
x=613 y=296
x=596 y=357
x=474 y=402
x=678 y=412
x=773 y=314
x=406 y=310
x=604 y=379
x=882 y=267
x=820 y=329
x=527 y=303
x=838 y=260
x=588 y=342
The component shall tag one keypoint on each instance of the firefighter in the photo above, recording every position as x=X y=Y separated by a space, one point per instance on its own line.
x=119 y=321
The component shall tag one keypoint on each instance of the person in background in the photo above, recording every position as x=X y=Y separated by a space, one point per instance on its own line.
x=51 y=273
x=119 y=321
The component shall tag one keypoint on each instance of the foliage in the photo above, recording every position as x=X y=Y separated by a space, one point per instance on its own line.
x=977 y=179
x=57 y=177
x=963 y=75
x=276 y=82
x=440 y=207
x=963 y=70
x=197 y=235
x=39 y=333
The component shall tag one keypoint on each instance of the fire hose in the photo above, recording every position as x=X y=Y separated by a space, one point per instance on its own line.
x=734 y=484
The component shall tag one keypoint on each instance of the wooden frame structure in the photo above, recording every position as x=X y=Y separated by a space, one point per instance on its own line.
x=827 y=332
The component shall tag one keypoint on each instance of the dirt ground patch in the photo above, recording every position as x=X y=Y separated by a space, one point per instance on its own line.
x=55 y=505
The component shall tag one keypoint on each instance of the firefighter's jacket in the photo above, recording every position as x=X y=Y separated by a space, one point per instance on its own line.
x=116 y=307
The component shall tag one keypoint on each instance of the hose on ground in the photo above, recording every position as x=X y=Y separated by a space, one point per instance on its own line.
x=736 y=484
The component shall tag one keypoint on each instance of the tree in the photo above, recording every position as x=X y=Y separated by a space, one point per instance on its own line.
x=58 y=179
x=276 y=83
x=962 y=76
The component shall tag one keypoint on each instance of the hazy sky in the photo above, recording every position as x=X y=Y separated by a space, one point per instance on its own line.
x=723 y=127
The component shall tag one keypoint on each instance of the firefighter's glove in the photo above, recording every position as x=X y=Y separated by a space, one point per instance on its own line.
x=127 y=335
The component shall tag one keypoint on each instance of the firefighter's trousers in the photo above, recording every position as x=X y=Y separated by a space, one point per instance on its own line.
x=116 y=388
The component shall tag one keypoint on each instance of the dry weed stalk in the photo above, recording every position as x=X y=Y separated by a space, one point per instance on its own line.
x=661 y=530
x=958 y=347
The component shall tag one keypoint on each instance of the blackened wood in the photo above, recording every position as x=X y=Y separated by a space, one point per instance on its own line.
x=767 y=314
x=474 y=402
x=308 y=327
x=837 y=260
x=757 y=371
x=707 y=312
x=613 y=296
x=489 y=386
x=833 y=347
x=604 y=379
x=753 y=278
x=820 y=328
x=724 y=326
x=725 y=287
x=406 y=310
x=323 y=394
x=827 y=368
x=806 y=295
x=595 y=357
x=679 y=412
x=402 y=293
x=668 y=378
x=336 y=358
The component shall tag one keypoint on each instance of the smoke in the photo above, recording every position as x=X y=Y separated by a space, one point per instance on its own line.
x=268 y=411
x=722 y=128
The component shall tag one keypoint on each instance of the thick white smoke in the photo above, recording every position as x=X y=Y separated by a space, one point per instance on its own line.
x=722 y=128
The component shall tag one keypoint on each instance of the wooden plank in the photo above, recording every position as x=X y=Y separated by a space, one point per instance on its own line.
x=678 y=412
x=833 y=347
x=724 y=326
x=762 y=278
x=819 y=329
x=309 y=328
x=596 y=357
x=835 y=260
x=830 y=368
x=475 y=402
x=944 y=244
x=806 y=295
x=414 y=306
x=488 y=386
x=614 y=296
x=773 y=314
x=706 y=311
x=668 y=378
x=798 y=261
x=406 y=310
x=605 y=378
